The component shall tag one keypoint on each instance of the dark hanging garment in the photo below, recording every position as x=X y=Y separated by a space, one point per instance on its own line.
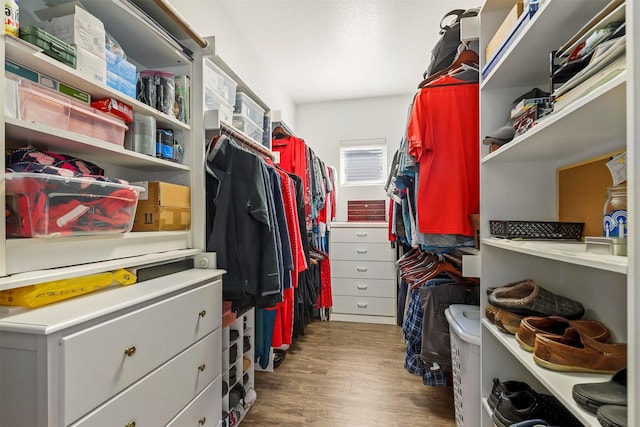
x=241 y=231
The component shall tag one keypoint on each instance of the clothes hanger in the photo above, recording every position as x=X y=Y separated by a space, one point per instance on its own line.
x=466 y=56
x=279 y=132
x=442 y=267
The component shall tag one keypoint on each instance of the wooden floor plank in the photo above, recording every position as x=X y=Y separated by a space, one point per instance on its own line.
x=348 y=375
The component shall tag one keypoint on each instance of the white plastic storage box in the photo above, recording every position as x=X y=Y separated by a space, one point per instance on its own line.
x=213 y=101
x=213 y=78
x=44 y=205
x=248 y=107
x=41 y=105
x=247 y=126
x=464 y=331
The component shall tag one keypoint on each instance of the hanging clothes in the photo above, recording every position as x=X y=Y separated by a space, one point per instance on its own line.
x=242 y=232
x=443 y=138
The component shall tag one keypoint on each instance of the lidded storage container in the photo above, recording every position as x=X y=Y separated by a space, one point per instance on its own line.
x=141 y=136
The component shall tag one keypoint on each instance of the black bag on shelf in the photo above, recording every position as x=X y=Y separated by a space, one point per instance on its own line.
x=445 y=50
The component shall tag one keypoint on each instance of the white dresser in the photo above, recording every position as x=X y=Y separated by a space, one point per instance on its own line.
x=362 y=273
x=145 y=355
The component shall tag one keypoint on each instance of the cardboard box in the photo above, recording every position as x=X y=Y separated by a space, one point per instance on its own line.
x=71 y=23
x=92 y=67
x=163 y=206
x=505 y=28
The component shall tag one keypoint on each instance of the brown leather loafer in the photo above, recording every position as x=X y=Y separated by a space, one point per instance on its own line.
x=556 y=325
x=506 y=321
x=575 y=351
x=527 y=298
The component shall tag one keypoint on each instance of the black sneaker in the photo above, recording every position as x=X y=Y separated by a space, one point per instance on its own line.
x=506 y=387
x=512 y=408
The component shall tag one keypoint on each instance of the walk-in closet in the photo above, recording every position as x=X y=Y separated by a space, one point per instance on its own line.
x=318 y=213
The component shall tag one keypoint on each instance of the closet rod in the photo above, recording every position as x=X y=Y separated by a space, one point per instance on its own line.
x=181 y=22
x=245 y=140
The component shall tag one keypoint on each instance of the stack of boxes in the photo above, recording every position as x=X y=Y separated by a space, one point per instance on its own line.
x=74 y=25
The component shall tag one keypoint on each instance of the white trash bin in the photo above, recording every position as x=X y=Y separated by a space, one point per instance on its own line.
x=464 y=331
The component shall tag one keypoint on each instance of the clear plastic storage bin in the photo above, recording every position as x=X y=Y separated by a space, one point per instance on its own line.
x=247 y=126
x=213 y=101
x=464 y=333
x=215 y=79
x=41 y=105
x=43 y=205
x=248 y=107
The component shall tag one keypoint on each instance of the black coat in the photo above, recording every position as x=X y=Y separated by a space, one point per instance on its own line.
x=240 y=229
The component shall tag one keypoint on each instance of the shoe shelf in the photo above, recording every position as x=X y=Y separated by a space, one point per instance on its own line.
x=560 y=384
x=569 y=252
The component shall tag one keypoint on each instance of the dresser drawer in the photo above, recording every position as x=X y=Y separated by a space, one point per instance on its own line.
x=359 y=234
x=204 y=410
x=363 y=269
x=362 y=251
x=371 y=306
x=100 y=361
x=384 y=288
x=158 y=397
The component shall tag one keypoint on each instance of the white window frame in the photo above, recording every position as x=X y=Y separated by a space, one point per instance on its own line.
x=363 y=144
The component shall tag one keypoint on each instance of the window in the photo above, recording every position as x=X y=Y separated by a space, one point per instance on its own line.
x=363 y=162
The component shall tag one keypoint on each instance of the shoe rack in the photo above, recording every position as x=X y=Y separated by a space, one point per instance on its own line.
x=240 y=334
x=519 y=182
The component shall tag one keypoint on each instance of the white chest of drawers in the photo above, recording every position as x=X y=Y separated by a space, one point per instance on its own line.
x=362 y=273
x=140 y=355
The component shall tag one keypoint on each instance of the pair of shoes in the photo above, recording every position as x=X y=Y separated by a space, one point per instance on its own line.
x=612 y=416
x=506 y=387
x=532 y=326
x=505 y=320
x=527 y=298
x=593 y=396
x=528 y=405
x=575 y=351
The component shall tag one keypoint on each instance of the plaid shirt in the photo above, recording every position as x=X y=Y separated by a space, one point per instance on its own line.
x=412 y=329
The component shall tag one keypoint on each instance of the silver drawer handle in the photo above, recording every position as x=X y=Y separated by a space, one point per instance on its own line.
x=361 y=251
x=362 y=234
x=362 y=287
x=362 y=305
x=130 y=351
x=361 y=268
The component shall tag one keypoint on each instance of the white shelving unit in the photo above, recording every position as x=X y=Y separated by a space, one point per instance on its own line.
x=519 y=182
x=159 y=305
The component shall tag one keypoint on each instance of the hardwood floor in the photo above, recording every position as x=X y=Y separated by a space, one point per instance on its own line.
x=349 y=375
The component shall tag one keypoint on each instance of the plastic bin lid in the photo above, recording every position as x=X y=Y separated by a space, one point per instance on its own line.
x=464 y=319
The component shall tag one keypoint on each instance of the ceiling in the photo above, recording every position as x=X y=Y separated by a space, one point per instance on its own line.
x=324 y=50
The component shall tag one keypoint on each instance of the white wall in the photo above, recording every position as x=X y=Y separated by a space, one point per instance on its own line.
x=236 y=51
x=324 y=125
